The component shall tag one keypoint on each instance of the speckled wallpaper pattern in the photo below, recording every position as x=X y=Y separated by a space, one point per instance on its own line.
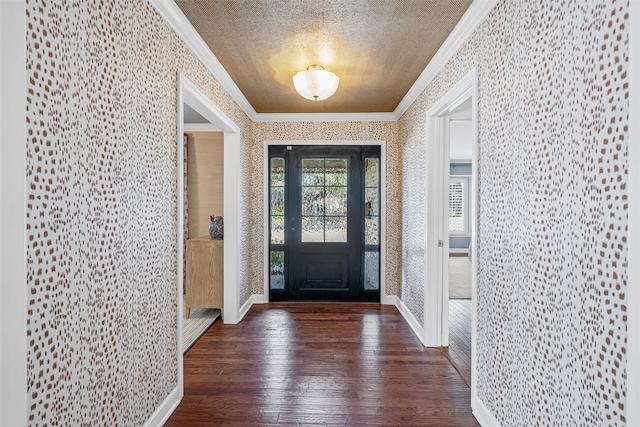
x=101 y=176
x=553 y=127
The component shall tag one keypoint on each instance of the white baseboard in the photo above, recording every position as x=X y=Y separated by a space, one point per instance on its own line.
x=259 y=299
x=166 y=408
x=482 y=413
x=389 y=300
x=253 y=299
x=408 y=316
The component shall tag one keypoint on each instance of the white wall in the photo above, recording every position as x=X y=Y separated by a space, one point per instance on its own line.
x=460 y=148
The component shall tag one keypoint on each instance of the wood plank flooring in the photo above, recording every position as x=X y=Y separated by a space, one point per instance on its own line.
x=459 y=350
x=319 y=364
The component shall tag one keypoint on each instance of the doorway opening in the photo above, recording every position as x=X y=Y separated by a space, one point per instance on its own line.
x=203 y=256
x=458 y=234
x=190 y=97
x=436 y=296
x=323 y=229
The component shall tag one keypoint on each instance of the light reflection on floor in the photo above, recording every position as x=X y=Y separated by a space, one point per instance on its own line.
x=277 y=356
x=370 y=336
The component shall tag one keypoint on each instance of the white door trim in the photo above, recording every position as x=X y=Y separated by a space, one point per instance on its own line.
x=383 y=228
x=13 y=193
x=436 y=294
x=188 y=93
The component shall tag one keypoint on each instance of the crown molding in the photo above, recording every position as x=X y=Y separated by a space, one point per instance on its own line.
x=475 y=14
x=172 y=14
x=472 y=18
x=325 y=117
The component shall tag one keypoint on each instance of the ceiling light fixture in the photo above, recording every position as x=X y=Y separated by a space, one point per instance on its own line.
x=316 y=84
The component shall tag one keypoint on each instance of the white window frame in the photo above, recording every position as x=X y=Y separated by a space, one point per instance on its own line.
x=466 y=201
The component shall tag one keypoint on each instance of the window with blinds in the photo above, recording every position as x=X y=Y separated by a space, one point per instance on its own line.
x=458 y=209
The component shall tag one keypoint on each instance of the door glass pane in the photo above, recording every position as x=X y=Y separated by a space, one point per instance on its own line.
x=277 y=270
x=277 y=230
x=336 y=172
x=336 y=202
x=312 y=172
x=336 y=229
x=371 y=231
x=312 y=201
x=371 y=202
x=277 y=172
x=277 y=201
x=276 y=206
x=324 y=200
x=313 y=229
x=371 y=270
x=371 y=172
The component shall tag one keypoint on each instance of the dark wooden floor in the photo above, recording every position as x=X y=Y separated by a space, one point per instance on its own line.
x=459 y=350
x=320 y=364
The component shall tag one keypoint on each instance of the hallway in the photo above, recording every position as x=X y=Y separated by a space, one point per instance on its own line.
x=323 y=364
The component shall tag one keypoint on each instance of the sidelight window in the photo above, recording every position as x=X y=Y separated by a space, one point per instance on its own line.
x=372 y=223
x=276 y=213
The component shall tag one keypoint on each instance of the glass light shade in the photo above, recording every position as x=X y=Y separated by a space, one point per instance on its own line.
x=316 y=84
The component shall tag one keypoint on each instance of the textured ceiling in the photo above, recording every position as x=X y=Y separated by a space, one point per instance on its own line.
x=378 y=48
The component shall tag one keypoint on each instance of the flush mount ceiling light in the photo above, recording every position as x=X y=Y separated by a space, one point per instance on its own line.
x=316 y=84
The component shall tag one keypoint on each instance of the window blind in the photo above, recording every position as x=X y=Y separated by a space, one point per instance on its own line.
x=456 y=206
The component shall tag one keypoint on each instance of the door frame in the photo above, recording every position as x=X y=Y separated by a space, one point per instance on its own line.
x=383 y=191
x=471 y=211
x=436 y=294
x=13 y=192
x=188 y=93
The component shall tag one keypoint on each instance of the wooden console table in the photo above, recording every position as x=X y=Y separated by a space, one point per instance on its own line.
x=205 y=274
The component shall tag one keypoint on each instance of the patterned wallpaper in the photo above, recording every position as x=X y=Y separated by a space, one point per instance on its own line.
x=101 y=177
x=553 y=126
